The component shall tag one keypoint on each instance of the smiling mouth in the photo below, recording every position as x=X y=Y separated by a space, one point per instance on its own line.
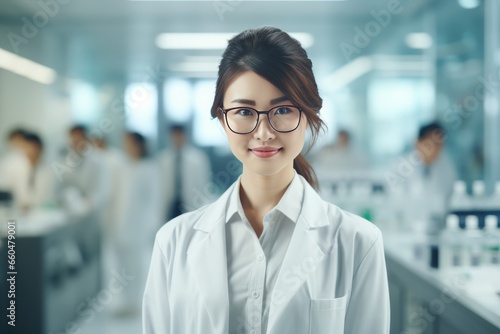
x=266 y=152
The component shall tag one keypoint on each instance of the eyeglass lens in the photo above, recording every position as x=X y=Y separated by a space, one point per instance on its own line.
x=244 y=119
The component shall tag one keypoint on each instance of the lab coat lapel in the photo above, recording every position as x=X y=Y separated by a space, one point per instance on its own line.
x=303 y=256
x=207 y=260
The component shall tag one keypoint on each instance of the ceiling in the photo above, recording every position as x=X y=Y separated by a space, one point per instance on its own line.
x=103 y=39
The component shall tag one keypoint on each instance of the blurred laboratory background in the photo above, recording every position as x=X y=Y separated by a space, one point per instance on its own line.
x=106 y=134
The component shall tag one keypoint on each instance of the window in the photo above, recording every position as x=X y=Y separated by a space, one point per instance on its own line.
x=141 y=106
x=177 y=100
x=206 y=131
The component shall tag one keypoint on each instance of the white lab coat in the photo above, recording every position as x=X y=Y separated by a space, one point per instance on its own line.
x=113 y=162
x=138 y=220
x=82 y=187
x=196 y=178
x=422 y=196
x=42 y=189
x=14 y=176
x=333 y=278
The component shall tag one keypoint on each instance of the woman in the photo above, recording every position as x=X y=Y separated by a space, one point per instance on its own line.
x=269 y=256
x=137 y=220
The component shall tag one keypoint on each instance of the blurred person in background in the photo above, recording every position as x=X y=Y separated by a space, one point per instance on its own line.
x=185 y=175
x=40 y=185
x=138 y=218
x=425 y=177
x=82 y=188
x=15 y=167
x=113 y=161
x=341 y=157
x=436 y=170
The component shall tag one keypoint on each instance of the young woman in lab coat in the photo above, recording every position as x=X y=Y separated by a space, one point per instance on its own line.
x=269 y=256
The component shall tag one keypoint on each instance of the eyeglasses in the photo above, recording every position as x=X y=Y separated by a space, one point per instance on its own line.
x=243 y=120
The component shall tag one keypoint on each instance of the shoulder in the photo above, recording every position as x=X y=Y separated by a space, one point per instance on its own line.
x=179 y=233
x=332 y=221
x=176 y=233
x=334 y=227
x=349 y=227
x=351 y=236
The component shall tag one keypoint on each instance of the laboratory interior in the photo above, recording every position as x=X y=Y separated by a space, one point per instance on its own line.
x=106 y=135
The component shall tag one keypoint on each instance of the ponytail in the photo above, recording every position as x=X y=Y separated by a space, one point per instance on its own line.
x=305 y=169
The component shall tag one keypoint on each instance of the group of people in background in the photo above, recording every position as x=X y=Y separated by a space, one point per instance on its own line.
x=131 y=192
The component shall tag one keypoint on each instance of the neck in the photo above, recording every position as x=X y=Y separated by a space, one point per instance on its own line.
x=33 y=161
x=426 y=161
x=260 y=193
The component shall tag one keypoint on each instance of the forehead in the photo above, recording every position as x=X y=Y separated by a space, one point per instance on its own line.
x=251 y=86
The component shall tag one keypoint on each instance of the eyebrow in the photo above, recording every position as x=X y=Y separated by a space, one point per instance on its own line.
x=252 y=102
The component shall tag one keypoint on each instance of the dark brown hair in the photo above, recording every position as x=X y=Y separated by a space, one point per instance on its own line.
x=281 y=60
x=140 y=141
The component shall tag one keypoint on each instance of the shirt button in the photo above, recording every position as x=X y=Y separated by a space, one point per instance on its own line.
x=253 y=331
x=255 y=294
x=260 y=257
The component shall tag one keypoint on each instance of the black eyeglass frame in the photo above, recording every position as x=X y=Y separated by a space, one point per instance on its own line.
x=225 y=111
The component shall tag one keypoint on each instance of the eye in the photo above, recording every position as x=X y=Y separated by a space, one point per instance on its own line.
x=283 y=111
x=242 y=112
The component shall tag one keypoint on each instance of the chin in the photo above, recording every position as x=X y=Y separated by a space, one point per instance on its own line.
x=267 y=168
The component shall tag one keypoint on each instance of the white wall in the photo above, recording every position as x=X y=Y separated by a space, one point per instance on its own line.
x=38 y=107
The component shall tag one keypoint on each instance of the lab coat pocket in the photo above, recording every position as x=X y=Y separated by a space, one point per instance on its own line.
x=327 y=315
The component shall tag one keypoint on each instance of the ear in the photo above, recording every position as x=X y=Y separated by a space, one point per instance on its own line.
x=305 y=120
x=221 y=121
x=220 y=116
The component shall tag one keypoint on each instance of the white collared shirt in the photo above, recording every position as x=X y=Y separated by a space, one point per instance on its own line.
x=253 y=263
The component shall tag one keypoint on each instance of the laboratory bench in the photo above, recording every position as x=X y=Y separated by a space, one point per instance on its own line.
x=58 y=266
x=458 y=300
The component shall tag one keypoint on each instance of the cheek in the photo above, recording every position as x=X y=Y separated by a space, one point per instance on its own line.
x=236 y=142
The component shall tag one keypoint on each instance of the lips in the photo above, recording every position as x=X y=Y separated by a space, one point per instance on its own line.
x=265 y=151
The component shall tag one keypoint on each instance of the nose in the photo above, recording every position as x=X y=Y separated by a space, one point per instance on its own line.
x=264 y=131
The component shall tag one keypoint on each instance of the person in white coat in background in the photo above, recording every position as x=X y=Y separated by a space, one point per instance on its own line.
x=40 y=182
x=82 y=186
x=425 y=178
x=341 y=158
x=113 y=161
x=138 y=219
x=269 y=256
x=185 y=175
x=15 y=168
